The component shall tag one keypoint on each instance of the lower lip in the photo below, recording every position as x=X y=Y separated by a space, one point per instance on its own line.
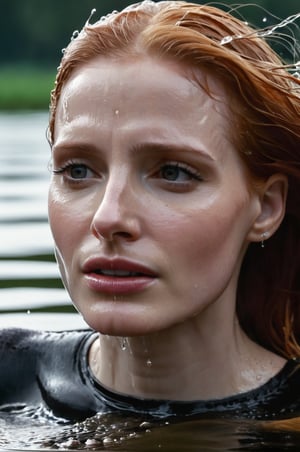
x=117 y=285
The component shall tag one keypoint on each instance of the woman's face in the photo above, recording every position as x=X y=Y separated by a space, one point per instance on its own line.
x=148 y=203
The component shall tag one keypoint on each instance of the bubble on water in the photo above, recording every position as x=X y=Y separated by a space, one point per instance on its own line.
x=264 y=19
x=107 y=441
x=70 y=444
x=92 y=442
x=145 y=425
x=28 y=311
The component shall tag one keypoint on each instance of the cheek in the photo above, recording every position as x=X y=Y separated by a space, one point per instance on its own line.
x=211 y=237
x=66 y=222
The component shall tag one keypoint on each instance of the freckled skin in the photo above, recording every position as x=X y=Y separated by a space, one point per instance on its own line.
x=193 y=239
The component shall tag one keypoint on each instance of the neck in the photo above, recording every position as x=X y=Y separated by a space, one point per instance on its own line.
x=188 y=362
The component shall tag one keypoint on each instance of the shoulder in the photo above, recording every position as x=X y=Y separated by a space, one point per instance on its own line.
x=14 y=340
x=32 y=360
x=22 y=350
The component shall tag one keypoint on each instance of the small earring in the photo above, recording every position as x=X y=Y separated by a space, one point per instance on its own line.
x=264 y=236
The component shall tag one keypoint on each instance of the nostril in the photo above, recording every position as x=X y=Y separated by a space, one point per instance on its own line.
x=110 y=234
x=126 y=235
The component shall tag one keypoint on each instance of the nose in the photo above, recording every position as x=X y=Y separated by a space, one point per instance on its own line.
x=117 y=215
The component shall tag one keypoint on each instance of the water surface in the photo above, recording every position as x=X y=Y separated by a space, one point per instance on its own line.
x=29 y=279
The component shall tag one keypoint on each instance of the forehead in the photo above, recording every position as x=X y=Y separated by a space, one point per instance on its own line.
x=146 y=93
x=146 y=75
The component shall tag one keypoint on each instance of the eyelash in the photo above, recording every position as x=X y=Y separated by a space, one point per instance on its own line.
x=177 y=183
x=68 y=166
x=194 y=174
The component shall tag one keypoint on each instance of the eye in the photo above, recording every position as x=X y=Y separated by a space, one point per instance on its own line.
x=172 y=173
x=176 y=172
x=78 y=171
x=74 y=172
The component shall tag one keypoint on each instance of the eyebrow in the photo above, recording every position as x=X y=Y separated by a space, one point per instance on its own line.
x=172 y=147
x=139 y=147
x=71 y=146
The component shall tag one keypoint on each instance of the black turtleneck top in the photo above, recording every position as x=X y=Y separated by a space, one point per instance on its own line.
x=50 y=369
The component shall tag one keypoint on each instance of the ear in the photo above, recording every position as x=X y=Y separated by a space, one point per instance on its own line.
x=273 y=194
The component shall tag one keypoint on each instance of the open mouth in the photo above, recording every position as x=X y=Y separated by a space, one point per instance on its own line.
x=118 y=273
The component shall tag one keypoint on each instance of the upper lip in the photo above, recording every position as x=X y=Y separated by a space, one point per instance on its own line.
x=95 y=264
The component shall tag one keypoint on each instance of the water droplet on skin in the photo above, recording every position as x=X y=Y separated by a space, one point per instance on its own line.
x=124 y=343
x=149 y=363
x=117 y=112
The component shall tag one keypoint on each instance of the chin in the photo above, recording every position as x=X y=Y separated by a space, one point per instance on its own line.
x=119 y=326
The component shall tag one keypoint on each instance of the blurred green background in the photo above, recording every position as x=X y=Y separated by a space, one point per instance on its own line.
x=33 y=32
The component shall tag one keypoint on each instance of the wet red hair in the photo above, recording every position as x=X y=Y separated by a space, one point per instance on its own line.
x=265 y=130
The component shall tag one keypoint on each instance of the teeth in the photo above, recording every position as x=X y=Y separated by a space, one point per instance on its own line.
x=117 y=273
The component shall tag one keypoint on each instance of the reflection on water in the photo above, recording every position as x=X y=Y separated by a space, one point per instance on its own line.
x=31 y=295
x=29 y=279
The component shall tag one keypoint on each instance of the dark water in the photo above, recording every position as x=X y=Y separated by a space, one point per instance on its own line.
x=31 y=295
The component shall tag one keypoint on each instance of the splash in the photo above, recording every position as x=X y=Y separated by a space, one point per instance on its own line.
x=264 y=32
x=92 y=13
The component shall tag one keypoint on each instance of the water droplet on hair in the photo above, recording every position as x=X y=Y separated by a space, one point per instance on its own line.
x=90 y=16
x=226 y=40
x=75 y=35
